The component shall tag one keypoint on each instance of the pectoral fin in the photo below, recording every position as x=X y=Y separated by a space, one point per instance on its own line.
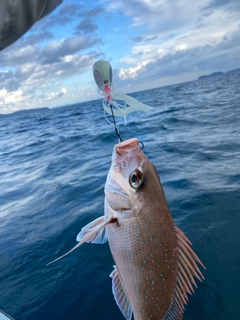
x=93 y=232
x=120 y=295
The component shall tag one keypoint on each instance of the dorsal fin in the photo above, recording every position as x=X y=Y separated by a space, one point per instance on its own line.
x=186 y=270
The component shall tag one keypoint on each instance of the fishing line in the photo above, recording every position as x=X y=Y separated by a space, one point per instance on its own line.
x=75 y=87
x=114 y=123
x=96 y=132
x=98 y=136
x=113 y=117
x=102 y=72
x=94 y=31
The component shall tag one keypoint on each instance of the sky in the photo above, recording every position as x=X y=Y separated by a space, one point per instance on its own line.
x=149 y=43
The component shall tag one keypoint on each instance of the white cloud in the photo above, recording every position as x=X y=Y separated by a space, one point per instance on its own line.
x=203 y=47
x=158 y=42
x=3 y=93
x=9 y=100
x=131 y=72
x=160 y=15
x=56 y=94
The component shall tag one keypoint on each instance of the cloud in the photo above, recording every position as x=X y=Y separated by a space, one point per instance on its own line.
x=44 y=59
x=63 y=15
x=57 y=94
x=227 y=4
x=206 y=58
x=132 y=72
x=32 y=68
x=157 y=15
x=66 y=14
x=22 y=53
x=86 y=26
x=54 y=51
x=11 y=98
x=170 y=48
x=9 y=81
x=144 y=38
x=33 y=38
x=156 y=40
x=70 y=9
x=33 y=84
x=55 y=20
x=90 y=14
x=33 y=74
x=68 y=66
x=20 y=56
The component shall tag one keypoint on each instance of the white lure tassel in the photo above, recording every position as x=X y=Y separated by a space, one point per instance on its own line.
x=128 y=105
x=102 y=72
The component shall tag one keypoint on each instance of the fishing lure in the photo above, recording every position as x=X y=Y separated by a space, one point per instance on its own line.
x=114 y=99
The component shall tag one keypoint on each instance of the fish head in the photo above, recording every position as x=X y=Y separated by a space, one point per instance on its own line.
x=132 y=179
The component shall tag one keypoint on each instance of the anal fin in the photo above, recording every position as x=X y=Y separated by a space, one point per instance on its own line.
x=120 y=295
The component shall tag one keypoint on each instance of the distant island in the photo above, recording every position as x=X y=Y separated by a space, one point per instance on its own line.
x=24 y=111
x=218 y=73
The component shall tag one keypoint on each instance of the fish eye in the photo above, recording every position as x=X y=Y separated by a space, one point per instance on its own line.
x=136 y=179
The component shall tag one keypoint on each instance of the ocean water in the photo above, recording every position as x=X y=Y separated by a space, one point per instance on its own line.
x=53 y=166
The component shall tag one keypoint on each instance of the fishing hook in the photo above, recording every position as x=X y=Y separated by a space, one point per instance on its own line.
x=142 y=145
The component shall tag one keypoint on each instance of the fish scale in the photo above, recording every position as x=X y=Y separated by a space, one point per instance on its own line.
x=140 y=257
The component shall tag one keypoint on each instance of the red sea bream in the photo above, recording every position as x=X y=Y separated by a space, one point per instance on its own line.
x=154 y=261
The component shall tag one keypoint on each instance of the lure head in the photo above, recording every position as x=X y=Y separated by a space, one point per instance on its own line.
x=102 y=72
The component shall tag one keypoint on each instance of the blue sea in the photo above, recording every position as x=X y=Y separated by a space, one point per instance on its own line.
x=53 y=167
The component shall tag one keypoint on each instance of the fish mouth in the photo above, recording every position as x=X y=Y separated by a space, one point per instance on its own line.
x=126 y=154
x=124 y=146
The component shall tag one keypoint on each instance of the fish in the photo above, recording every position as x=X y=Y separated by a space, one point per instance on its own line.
x=155 y=265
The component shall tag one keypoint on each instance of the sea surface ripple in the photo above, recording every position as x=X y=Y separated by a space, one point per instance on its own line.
x=53 y=168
